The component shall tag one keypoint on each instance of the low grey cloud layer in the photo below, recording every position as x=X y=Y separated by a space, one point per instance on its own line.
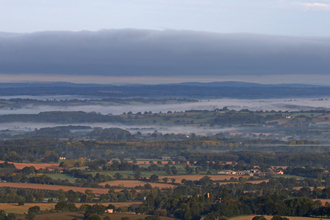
x=131 y=52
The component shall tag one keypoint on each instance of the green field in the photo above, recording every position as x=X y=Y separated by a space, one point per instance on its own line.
x=62 y=177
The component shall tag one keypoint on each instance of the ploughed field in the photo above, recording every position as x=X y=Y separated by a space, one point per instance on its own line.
x=50 y=166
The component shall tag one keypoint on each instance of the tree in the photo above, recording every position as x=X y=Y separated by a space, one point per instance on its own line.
x=61 y=206
x=118 y=176
x=173 y=180
x=11 y=216
x=259 y=217
x=153 y=178
x=21 y=200
x=165 y=179
x=130 y=209
x=277 y=217
x=152 y=217
x=93 y=217
x=34 y=209
x=189 y=170
x=137 y=174
x=99 y=209
x=30 y=216
x=2 y=215
x=142 y=209
x=174 y=170
x=31 y=158
x=327 y=182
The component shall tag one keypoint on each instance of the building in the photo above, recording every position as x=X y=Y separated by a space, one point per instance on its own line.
x=109 y=211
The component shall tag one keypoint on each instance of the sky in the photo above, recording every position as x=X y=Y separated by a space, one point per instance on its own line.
x=279 y=17
x=151 y=41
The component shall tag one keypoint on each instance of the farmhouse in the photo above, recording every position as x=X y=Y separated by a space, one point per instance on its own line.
x=109 y=211
x=241 y=172
x=166 y=158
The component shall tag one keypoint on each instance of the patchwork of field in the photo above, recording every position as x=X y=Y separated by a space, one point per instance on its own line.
x=50 y=166
x=14 y=208
x=97 y=191
x=134 y=183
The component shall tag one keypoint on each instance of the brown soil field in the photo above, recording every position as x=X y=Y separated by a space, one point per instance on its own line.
x=50 y=166
x=270 y=217
x=133 y=183
x=14 y=208
x=97 y=191
x=71 y=215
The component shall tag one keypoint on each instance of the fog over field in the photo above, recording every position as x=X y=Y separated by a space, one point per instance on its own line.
x=26 y=127
x=49 y=97
x=235 y=104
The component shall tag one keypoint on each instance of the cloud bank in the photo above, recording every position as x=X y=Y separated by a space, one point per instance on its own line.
x=168 y=53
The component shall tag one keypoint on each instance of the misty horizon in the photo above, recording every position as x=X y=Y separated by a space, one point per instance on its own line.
x=150 y=56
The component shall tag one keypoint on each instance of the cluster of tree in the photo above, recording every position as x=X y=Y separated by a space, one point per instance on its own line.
x=7 y=165
x=10 y=216
x=61 y=117
x=49 y=150
x=21 y=195
x=115 y=165
x=306 y=171
x=222 y=204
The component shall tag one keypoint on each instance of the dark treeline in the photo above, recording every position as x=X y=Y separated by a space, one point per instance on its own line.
x=61 y=117
x=200 y=90
x=19 y=102
x=192 y=149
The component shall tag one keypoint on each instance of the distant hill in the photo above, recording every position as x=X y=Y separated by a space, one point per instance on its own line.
x=210 y=84
x=244 y=84
x=197 y=90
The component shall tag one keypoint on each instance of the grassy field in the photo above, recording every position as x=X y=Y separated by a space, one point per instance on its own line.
x=62 y=177
x=126 y=174
x=289 y=176
x=133 y=183
x=14 y=208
